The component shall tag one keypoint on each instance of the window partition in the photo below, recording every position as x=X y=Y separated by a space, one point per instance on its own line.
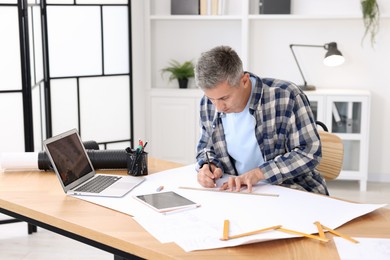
x=90 y=64
x=15 y=85
x=65 y=64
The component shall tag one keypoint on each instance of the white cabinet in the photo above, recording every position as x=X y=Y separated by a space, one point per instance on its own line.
x=174 y=124
x=347 y=114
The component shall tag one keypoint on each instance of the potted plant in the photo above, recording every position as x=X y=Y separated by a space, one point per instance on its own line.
x=180 y=71
x=370 y=11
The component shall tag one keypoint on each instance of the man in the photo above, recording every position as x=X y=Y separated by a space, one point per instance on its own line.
x=254 y=129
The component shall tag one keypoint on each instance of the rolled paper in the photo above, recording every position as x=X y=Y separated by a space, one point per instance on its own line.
x=17 y=161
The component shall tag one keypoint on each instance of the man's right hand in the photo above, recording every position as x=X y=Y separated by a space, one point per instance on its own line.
x=206 y=178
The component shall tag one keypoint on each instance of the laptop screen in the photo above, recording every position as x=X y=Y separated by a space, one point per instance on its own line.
x=69 y=158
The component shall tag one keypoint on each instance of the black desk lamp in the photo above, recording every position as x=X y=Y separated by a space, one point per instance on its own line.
x=333 y=57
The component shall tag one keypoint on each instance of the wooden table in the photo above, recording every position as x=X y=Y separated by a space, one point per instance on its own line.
x=37 y=197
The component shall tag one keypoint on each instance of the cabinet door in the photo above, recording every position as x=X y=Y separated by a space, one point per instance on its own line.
x=173 y=128
x=346 y=116
x=349 y=119
x=317 y=105
x=349 y=116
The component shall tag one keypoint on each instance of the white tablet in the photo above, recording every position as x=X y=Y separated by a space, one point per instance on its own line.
x=166 y=201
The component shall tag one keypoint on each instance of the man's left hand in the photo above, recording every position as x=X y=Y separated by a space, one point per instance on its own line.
x=247 y=179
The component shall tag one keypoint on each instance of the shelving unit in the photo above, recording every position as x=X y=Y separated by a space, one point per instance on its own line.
x=173 y=112
x=184 y=37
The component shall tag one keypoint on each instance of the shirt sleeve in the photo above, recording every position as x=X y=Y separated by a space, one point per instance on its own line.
x=205 y=140
x=302 y=144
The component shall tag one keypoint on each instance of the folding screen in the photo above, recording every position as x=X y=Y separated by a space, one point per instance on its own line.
x=64 y=64
x=18 y=76
x=67 y=67
x=90 y=69
x=21 y=79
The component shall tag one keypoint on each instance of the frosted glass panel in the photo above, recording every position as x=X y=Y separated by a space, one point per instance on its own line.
x=43 y=109
x=10 y=71
x=74 y=44
x=314 y=109
x=37 y=118
x=64 y=105
x=87 y=1
x=8 y=1
x=12 y=130
x=101 y=1
x=59 y=1
x=105 y=106
x=351 y=155
x=116 y=146
x=346 y=117
x=116 y=40
x=33 y=1
x=35 y=34
x=31 y=46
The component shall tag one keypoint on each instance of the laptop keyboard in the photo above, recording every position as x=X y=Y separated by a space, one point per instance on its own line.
x=98 y=184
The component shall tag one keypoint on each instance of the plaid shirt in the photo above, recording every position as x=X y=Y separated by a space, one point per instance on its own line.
x=285 y=131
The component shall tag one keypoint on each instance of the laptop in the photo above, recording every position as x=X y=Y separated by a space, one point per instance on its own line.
x=75 y=171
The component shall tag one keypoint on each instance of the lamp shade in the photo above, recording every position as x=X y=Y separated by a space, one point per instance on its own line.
x=333 y=56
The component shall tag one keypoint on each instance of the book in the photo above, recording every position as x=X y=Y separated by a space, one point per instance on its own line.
x=274 y=6
x=203 y=6
x=185 y=7
x=212 y=7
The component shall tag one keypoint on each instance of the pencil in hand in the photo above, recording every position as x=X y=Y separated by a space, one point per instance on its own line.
x=209 y=164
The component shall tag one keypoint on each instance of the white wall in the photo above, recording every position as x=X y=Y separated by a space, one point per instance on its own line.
x=139 y=82
x=365 y=67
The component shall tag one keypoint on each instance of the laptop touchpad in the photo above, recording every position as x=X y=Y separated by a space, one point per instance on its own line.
x=122 y=185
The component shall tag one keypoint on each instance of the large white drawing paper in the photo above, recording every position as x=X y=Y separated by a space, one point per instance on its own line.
x=367 y=248
x=202 y=228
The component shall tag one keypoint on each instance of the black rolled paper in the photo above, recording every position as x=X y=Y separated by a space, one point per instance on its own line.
x=100 y=159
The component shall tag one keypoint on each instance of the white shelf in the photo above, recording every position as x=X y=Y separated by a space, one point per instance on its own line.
x=260 y=17
x=195 y=17
x=339 y=92
x=307 y=17
x=350 y=136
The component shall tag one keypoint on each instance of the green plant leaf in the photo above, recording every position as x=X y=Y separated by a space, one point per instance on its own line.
x=179 y=70
x=370 y=11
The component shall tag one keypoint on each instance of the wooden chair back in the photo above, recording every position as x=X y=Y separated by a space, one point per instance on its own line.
x=332 y=155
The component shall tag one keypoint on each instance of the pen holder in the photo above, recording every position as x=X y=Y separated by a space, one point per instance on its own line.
x=138 y=164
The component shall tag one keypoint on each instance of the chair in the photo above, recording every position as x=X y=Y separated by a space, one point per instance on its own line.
x=332 y=154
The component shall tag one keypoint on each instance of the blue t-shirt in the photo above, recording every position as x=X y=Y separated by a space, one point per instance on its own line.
x=242 y=146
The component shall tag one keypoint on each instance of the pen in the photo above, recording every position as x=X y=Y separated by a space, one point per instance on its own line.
x=208 y=162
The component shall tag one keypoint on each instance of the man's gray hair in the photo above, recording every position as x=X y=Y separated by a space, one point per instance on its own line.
x=218 y=65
